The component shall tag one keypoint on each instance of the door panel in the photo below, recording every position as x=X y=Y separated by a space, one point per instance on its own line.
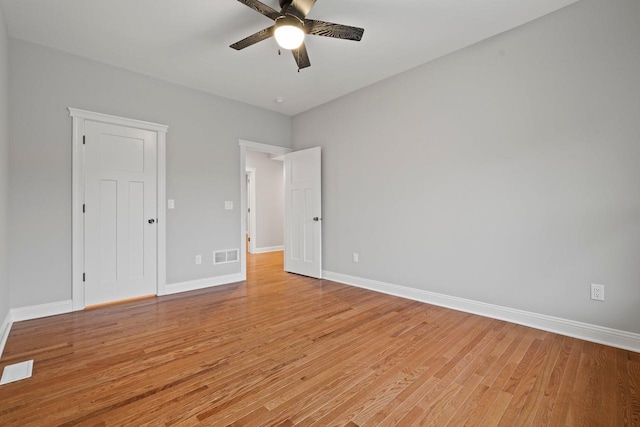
x=108 y=231
x=303 y=213
x=136 y=230
x=120 y=198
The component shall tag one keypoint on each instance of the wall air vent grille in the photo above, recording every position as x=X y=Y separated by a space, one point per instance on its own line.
x=232 y=255
x=229 y=255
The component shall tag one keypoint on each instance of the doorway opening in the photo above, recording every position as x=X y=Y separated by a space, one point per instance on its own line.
x=265 y=202
x=249 y=225
x=302 y=208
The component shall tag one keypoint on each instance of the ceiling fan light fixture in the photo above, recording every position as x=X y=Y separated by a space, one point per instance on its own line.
x=289 y=33
x=291 y=27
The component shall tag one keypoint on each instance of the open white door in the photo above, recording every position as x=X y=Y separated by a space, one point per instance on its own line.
x=303 y=213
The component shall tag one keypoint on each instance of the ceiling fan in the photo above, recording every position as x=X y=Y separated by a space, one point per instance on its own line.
x=291 y=26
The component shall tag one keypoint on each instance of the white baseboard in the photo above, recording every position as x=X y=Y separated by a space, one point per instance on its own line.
x=31 y=312
x=585 y=331
x=5 y=328
x=42 y=310
x=193 y=285
x=268 y=249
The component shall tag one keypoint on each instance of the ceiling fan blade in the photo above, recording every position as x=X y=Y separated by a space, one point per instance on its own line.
x=301 y=56
x=261 y=8
x=328 y=29
x=254 y=38
x=300 y=8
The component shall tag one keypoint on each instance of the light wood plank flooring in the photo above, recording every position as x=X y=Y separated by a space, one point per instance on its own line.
x=286 y=350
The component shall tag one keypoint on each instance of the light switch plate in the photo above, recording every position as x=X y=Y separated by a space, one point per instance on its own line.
x=171 y=204
x=228 y=205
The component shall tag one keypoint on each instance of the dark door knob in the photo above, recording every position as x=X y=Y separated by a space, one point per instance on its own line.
x=315 y=218
x=151 y=221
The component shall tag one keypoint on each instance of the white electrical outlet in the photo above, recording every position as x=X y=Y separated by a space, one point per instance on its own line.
x=171 y=204
x=228 y=206
x=356 y=257
x=198 y=259
x=597 y=292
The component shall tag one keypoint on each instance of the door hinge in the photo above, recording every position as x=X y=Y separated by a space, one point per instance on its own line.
x=249 y=210
x=83 y=208
x=249 y=239
x=84 y=277
x=84 y=139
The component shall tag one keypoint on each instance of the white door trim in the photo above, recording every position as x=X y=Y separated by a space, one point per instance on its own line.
x=253 y=146
x=251 y=197
x=79 y=117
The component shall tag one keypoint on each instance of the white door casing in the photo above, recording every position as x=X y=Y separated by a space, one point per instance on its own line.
x=303 y=212
x=119 y=175
x=120 y=215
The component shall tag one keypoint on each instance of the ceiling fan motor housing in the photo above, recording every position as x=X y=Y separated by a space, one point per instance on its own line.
x=289 y=20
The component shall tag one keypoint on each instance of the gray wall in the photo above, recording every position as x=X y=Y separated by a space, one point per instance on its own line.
x=202 y=164
x=4 y=168
x=507 y=172
x=269 y=199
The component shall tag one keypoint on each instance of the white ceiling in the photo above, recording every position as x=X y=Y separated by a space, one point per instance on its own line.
x=187 y=41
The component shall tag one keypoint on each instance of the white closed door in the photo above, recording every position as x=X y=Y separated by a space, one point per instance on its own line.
x=120 y=213
x=303 y=213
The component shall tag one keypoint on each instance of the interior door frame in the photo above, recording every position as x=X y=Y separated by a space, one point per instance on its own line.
x=79 y=117
x=244 y=147
x=251 y=197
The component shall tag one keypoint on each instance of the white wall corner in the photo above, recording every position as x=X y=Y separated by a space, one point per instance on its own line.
x=42 y=310
x=5 y=328
x=585 y=331
x=208 y=282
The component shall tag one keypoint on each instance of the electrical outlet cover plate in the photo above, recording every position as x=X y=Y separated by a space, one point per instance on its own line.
x=597 y=292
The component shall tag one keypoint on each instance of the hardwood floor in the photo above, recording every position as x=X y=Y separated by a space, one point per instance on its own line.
x=282 y=349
